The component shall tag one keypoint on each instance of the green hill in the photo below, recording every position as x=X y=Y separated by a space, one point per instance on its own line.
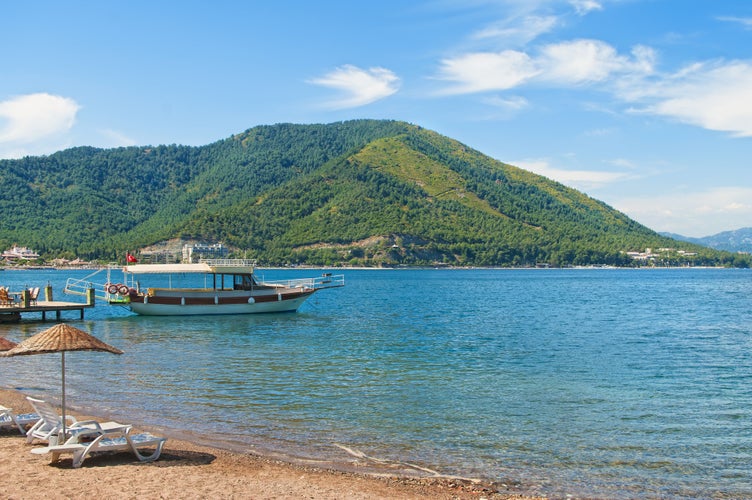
x=360 y=192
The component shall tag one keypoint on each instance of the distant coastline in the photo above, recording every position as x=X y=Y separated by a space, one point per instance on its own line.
x=366 y=268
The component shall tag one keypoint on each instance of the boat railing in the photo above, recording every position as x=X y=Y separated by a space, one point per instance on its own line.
x=76 y=286
x=81 y=286
x=229 y=262
x=327 y=280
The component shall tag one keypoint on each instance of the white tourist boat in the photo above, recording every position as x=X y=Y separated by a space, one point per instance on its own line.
x=228 y=286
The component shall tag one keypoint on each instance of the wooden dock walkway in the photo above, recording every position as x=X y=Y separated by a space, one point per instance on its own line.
x=13 y=312
x=44 y=307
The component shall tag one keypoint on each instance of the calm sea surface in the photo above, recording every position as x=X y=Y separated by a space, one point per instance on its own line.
x=584 y=382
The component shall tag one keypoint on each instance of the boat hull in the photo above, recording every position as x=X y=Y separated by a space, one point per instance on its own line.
x=188 y=305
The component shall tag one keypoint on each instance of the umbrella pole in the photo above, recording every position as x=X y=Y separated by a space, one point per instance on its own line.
x=63 y=369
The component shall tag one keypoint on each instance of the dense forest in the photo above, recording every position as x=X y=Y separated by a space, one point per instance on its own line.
x=361 y=192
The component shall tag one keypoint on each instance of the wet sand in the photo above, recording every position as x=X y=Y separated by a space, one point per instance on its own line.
x=189 y=470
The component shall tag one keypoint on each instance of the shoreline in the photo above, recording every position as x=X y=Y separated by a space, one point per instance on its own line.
x=189 y=469
x=385 y=268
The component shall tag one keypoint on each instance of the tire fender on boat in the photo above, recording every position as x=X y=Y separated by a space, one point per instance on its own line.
x=112 y=288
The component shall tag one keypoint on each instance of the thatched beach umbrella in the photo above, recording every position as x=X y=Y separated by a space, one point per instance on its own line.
x=6 y=344
x=60 y=338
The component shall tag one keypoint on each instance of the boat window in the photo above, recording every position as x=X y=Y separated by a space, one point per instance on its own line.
x=243 y=282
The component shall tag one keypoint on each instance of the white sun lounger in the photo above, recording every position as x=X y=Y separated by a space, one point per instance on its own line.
x=50 y=425
x=10 y=419
x=102 y=443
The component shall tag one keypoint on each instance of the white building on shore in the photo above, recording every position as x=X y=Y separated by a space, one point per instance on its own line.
x=20 y=253
x=198 y=251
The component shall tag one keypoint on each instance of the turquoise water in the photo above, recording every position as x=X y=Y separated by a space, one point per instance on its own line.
x=584 y=382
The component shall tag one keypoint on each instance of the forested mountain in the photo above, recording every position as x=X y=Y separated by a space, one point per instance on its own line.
x=361 y=192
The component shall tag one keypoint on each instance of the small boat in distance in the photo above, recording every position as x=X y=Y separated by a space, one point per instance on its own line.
x=229 y=287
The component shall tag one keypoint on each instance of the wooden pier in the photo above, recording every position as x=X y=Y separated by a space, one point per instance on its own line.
x=13 y=312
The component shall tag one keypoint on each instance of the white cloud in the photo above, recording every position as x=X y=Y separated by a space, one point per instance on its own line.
x=712 y=95
x=483 y=71
x=623 y=163
x=578 y=179
x=518 y=31
x=644 y=60
x=583 y=7
x=694 y=214
x=116 y=139
x=32 y=117
x=579 y=61
x=715 y=97
x=568 y=63
x=359 y=86
x=35 y=124
x=746 y=22
x=513 y=103
x=598 y=132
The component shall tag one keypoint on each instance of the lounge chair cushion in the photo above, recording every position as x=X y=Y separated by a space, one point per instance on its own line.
x=10 y=419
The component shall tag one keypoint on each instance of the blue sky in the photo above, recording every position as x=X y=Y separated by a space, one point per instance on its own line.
x=643 y=104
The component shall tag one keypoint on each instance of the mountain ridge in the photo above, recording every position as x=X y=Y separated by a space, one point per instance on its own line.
x=737 y=240
x=311 y=194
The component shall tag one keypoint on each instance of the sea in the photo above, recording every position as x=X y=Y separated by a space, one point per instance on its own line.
x=569 y=383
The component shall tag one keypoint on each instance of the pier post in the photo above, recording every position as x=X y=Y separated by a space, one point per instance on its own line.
x=89 y=297
x=25 y=298
x=48 y=293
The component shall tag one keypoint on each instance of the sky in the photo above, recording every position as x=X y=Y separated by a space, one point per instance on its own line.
x=645 y=105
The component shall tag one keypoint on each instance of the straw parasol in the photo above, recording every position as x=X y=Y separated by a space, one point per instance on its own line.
x=60 y=338
x=6 y=344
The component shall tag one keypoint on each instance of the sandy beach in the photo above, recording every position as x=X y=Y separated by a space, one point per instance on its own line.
x=189 y=470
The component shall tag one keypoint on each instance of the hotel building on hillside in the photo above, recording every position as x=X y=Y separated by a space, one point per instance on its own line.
x=20 y=253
